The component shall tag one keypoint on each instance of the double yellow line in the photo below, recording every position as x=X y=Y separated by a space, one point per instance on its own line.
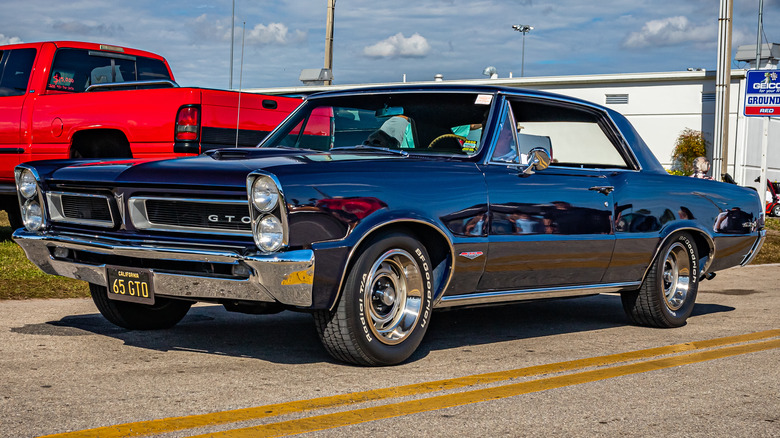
x=649 y=360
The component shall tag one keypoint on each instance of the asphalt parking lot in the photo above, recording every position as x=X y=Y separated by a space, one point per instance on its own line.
x=556 y=368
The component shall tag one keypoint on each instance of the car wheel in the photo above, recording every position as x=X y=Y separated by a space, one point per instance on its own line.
x=776 y=210
x=667 y=296
x=385 y=307
x=165 y=313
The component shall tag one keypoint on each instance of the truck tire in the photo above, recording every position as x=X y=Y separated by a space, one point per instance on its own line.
x=11 y=207
x=385 y=307
x=668 y=294
x=165 y=313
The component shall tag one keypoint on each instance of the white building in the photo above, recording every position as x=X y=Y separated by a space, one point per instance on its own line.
x=659 y=105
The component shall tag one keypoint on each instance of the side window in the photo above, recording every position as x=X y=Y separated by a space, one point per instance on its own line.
x=506 y=143
x=150 y=69
x=15 y=70
x=573 y=136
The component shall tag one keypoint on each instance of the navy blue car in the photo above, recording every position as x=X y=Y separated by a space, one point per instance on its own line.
x=373 y=207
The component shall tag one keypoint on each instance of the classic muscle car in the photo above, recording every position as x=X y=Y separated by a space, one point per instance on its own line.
x=371 y=208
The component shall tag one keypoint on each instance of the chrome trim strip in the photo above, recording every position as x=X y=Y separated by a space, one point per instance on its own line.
x=57 y=212
x=140 y=217
x=285 y=277
x=533 y=294
x=383 y=224
x=754 y=250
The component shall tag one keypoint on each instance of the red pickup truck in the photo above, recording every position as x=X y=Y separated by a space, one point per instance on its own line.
x=69 y=99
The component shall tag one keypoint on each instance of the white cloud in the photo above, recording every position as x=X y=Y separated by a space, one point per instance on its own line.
x=9 y=40
x=274 y=33
x=397 y=45
x=78 y=28
x=259 y=35
x=669 y=31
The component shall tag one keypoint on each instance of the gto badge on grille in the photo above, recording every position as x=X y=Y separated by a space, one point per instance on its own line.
x=471 y=255
x=216 y=218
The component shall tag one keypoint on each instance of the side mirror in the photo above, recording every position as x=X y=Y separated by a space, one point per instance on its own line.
x=538 y=159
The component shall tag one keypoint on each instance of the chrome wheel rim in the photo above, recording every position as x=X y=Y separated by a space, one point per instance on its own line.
x=676 y=276
x=393 y=296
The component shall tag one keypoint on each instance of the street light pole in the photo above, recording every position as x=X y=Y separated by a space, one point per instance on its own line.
x=524 y=28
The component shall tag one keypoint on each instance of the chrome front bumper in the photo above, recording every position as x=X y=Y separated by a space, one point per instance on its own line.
x=285 y=277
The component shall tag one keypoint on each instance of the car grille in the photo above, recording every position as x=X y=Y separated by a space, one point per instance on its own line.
x=79 y=208
x=191 y=215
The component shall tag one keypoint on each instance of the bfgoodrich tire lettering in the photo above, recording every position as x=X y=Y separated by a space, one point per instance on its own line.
x=385 y=307
x=165 y=313
x=668 y=294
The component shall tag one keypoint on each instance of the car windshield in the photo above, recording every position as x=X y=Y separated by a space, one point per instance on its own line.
x=434 y=122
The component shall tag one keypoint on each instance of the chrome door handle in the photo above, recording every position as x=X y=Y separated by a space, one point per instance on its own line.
x=604 y=190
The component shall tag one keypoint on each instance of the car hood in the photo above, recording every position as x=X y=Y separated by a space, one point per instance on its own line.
x=222 y=167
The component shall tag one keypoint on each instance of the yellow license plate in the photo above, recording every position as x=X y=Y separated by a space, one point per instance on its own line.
x=130 y=284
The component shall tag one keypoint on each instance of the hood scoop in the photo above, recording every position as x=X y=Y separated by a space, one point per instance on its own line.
x=248 y=153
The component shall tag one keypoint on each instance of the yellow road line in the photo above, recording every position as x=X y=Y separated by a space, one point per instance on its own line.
x=160 y=426
x=340 y=419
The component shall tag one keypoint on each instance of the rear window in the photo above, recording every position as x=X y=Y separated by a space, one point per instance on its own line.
x=74 y=70
x=15 y=68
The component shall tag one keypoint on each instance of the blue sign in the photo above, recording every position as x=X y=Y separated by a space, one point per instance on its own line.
x=762 y=96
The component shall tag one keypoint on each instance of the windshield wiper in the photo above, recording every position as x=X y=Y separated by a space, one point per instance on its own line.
x=371 y=148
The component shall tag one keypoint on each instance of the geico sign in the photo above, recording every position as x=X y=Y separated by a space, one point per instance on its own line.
x=767 y=86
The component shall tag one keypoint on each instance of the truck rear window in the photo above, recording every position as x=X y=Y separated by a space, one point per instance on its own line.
x=15 y=68
x=76 y=69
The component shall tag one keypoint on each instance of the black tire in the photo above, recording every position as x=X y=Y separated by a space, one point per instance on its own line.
x=668 y=294
x=165 y=313
x=776 y=210
x=14 y=215
x=385 y=307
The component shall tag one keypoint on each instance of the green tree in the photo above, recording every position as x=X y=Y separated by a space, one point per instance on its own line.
x=689 y=146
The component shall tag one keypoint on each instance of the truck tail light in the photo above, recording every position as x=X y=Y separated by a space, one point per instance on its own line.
x=188 y=123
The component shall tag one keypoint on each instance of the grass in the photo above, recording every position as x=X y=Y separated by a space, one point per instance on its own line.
x=20 y=279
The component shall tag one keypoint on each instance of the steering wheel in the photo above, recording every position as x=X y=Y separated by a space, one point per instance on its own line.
x=443 y=136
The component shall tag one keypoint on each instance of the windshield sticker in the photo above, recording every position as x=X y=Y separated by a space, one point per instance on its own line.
x=62 y=80
x=484 y=99
x=469 y=146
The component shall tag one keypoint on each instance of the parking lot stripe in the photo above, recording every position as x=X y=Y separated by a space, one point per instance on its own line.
x=347 y=418
x=165 y=425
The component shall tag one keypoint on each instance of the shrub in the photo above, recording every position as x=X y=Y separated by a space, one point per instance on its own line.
x=689 y=146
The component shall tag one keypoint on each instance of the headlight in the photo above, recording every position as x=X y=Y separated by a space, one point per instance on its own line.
x=265 y=195
x=32 y=215
x=269 y=234
x=28 y=186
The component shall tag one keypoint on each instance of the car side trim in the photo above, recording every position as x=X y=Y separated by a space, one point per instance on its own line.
x=534 y=294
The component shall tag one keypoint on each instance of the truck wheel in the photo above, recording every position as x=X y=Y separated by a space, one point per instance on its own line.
x=668 y=294
x=385 y=307
x=165 y=313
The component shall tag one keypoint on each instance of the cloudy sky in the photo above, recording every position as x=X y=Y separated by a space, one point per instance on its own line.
x=381 y=41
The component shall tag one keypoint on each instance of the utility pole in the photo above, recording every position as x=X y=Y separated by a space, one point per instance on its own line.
x=329 y=38
x=720 y=148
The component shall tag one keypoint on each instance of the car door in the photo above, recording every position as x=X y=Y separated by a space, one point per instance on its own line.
x=551 y=228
